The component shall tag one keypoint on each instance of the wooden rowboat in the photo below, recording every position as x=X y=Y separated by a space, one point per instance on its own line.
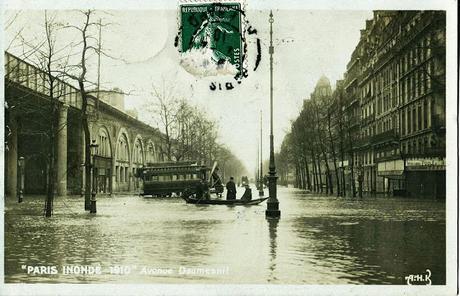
x=235 y=202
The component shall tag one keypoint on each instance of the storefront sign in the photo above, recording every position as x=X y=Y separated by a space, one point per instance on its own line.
x=426 y=164
x=390 y=168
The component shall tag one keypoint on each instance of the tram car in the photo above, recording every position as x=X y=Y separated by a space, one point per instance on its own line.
x=174 y=178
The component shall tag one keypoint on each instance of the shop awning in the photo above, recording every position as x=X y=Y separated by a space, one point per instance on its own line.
x=395 y=174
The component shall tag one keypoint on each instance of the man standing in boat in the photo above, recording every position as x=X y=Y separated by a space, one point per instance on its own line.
x=231 y=189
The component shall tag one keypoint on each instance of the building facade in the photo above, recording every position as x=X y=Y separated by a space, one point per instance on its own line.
x=395 y=104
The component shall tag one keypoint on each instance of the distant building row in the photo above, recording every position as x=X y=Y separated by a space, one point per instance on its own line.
x=382 y=130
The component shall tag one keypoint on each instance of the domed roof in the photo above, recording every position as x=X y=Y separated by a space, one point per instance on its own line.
x=323 y=81
x=322 y=88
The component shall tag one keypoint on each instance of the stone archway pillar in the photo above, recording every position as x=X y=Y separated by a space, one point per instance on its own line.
x=12 y=157
x=61 y=163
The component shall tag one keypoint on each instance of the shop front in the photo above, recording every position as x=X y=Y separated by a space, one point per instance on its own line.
x=426 y=177
x=390 y=176
x=103 y=174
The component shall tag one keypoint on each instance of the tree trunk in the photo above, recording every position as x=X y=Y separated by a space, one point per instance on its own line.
x=342 y=157
x=328 y=173
x=315 y=172
x=52 y=175
x=323 y=152
x=304 y=178
x=353 y=186
x=307 y=172
x=297 y=176
x=87 y=136
x=320 y=176
x=334 y=159
x=88 y=178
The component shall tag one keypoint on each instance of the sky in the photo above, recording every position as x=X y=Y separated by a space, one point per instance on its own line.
x=308 y=44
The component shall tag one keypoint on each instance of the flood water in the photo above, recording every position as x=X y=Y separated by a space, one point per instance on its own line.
x=318 y=240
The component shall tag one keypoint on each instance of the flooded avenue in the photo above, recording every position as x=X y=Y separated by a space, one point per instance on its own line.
x=318 y=240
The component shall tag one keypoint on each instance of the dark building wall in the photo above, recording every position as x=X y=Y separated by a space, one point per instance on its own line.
x=426 y=184
x=74 y=152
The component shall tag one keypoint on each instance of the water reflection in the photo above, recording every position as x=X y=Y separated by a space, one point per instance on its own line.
x=372 y=250
x=272 y=228
x=318 y=240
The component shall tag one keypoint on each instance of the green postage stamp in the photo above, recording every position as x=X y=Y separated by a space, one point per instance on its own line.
x=211 y=38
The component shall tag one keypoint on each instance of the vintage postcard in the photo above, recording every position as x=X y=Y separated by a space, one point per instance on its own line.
x=229 y=147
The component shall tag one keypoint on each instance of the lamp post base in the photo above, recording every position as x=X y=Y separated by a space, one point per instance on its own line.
x=272 y=202
x=272 y=210
x=92 y=206
x=261 y=193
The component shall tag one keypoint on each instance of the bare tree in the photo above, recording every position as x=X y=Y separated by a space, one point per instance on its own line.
x=54 y=128
x=188 y=132
x=44 y=56
x=332 y=147
x=165 y=109
x=78 y=72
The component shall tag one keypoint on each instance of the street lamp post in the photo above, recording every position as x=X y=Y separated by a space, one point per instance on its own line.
x=93 y=146
x=272 y=203
x=261 y=183
x=360 y=179
x=82 y=187
x=20 y=193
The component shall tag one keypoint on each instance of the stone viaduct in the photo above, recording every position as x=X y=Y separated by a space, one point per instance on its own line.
x=124 y=142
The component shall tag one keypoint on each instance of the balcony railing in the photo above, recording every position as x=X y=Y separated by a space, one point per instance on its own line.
x=368 y=119
x=385 y=137
x=353 y=121
x=427 y=152
x=32 y=78
x=363 y=142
